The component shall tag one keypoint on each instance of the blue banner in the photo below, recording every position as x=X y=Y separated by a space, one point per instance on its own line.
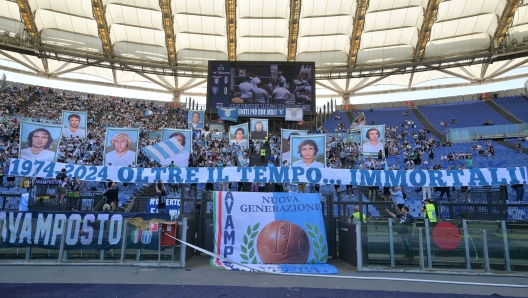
x=271 y=112
x=82 y=231
x=415 y=178
x=228 y=114
x=172 y=207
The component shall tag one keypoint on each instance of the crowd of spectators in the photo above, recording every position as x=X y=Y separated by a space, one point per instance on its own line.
x=415 y=144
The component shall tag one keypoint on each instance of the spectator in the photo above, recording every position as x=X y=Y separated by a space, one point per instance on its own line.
x=397 y=197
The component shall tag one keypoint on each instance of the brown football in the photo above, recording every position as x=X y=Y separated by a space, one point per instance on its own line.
x=283 y=242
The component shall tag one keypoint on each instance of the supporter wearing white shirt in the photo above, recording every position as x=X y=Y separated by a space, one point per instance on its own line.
x=246 y=90
x=281 y=94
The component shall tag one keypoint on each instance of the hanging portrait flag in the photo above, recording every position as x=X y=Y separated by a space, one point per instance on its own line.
x=39 y=141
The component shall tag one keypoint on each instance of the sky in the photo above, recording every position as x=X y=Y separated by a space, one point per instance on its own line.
x=391 y=97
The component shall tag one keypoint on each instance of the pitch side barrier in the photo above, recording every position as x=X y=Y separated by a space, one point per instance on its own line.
x=413 y=178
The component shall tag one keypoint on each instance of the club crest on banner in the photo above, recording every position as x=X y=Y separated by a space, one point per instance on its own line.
x=228 y=114
x=294 y=114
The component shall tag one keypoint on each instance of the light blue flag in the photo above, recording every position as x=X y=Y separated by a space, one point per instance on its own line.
x=228 y=114
x=163 y=150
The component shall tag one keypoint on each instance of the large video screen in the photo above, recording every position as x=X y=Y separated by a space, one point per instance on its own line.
x=261 y=88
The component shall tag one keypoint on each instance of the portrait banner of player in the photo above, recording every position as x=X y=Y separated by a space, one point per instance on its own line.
x=373 y=139
x=121 y=145
x=294 y=114
x=75 y=124
x=308 y=151
x=196 y=119
x=184 y=137
x=360 y=120
x=239 y=135
x=39 y=141
x=259 y=128
x=286 y=135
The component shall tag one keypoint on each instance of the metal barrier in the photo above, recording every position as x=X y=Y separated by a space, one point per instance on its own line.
x=468 y=134
x=462 y=245
x=478 y=203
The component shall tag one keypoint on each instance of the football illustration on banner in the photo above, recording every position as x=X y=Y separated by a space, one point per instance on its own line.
x=283 y=242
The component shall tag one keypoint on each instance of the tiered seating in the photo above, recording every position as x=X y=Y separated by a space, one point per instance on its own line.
x=514 y=141
x=515 y=105
x=117 y=112
x=466 y=114
x=394 y=117
x=331 y=123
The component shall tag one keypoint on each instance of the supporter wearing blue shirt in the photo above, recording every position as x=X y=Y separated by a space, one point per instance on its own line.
x=397 y=197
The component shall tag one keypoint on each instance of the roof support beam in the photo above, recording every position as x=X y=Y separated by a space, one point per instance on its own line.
x=453 y=73
x=425 y=31
x=375 y=81
x=295 y=14
x=231 y=29
x=409 y=84
x=96 y=83
x=58 y=73
x=168 y=26
x=505 y=20
x=114 y=75
x=98 y=10
x=29 y=22
x=149 y=78
x=359 y=24
x=329 y=88
x=484 y=69
x=201 y=82
x=496 y=74
x=20 y=61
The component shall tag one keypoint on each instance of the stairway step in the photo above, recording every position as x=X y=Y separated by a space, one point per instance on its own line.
x=505 y=114
x=439 y=135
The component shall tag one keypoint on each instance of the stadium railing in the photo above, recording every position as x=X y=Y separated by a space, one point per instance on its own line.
x=461 y=245
x=468 y=134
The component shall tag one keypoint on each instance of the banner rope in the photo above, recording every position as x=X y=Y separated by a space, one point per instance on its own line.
x=349 y=277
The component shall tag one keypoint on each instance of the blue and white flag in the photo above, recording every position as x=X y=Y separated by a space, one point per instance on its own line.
x=228 y=114
x=294 y=114
x=163 y=150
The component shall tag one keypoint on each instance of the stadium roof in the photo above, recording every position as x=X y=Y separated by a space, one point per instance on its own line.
x=354 y=43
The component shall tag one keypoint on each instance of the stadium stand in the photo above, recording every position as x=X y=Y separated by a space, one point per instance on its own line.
x=404 y=132
x=515 y=105
x=466 y=114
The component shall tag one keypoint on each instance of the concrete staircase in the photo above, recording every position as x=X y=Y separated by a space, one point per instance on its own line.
x=510 y=145
x=379 y=202
x=505 y=114
x=139 y=200
x=439 y=135
x=350 y=116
